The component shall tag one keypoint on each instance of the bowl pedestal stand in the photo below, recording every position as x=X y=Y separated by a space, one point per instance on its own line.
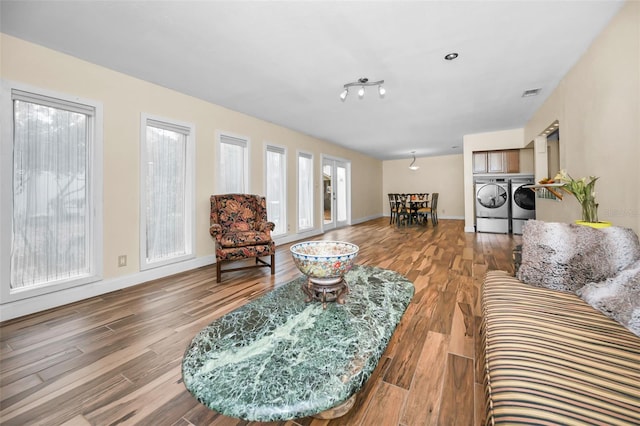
x=326 y=290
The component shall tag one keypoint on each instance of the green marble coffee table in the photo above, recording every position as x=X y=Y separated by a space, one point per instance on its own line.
x=279 y=358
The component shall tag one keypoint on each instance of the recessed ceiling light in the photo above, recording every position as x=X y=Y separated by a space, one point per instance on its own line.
x=451 y=56
x=531 y=92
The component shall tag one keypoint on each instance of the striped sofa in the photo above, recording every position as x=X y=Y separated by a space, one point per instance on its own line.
x=552 y=359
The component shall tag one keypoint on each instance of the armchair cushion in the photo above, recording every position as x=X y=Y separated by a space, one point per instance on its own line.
x=243 y=238
x=245 y=252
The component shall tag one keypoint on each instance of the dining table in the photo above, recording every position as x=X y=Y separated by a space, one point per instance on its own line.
x=409 y=204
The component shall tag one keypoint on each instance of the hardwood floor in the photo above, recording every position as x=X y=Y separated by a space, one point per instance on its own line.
x=115 y=359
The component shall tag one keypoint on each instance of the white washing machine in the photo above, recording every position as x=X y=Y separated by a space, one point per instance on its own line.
x=523 y=202
x=492 y=204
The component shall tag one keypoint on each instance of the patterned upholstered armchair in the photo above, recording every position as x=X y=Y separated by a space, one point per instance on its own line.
x=239 y=225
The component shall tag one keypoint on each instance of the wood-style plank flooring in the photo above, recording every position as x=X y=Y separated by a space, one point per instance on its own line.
x=115 y=359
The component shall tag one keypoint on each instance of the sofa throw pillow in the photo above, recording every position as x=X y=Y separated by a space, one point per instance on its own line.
x=617 y=297
x=564 y=257
x=622 y=245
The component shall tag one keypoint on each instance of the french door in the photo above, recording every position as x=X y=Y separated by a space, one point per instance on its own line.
x=335 y=193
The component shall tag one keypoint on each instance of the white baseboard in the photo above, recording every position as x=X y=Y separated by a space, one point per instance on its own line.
x=43 y=302
x=365 y=219
x=451 y=217
x=285 y=239
x=55 y=299
x=469 y=229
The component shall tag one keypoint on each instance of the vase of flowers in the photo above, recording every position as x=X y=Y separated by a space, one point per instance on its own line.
x=585 y=193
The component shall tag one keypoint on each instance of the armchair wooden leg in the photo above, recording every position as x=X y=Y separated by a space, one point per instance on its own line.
x=259 y=263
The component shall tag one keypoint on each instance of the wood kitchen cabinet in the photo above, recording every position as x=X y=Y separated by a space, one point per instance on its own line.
x=505 y=161
x=512 y=161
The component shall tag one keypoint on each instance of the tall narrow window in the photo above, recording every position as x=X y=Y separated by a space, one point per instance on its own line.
x=54 y=233
x=305 y=191
x=167 y=188
x=276 y=188
x=232 y=166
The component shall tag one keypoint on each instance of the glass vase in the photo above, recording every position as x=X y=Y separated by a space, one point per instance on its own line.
x=589 y=211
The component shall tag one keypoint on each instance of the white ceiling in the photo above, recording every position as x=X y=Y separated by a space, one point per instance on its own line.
x=286 y=62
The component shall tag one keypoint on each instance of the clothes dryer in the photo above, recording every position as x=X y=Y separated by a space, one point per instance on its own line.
x=523 y=202
x=492 y=204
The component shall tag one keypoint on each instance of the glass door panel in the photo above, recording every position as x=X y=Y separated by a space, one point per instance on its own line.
x=327 y=193
x=335 y=186
x=341 y=194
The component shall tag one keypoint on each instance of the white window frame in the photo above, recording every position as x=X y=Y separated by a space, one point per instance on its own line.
x=189 y=207
x=310 y=157
x=227 y=137
x=283 y=210
x=95 y=179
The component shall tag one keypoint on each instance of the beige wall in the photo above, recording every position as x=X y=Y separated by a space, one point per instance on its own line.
x=505 y=139
x=526 y=161
x=124 y=99
x=436 y=174
x=598 y=107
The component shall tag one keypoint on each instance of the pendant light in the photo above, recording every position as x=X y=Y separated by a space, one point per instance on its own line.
x=413 y=166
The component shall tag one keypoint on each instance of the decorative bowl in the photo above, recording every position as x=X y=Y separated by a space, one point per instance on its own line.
x=324 y=262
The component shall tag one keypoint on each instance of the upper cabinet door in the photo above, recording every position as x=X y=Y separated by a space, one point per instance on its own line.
x=513 y=161
x=497 y=162
x=480 y=162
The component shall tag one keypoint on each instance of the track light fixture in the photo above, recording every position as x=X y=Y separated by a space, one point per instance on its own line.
x=413 y=166
x=362 y=82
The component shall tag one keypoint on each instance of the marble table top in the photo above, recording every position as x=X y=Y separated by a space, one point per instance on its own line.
x=279 y=358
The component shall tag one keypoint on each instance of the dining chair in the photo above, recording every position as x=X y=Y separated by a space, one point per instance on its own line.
x=403 y=213
x=416 y=202
x=393 y=208
x=432 y=210
x=422 y=200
